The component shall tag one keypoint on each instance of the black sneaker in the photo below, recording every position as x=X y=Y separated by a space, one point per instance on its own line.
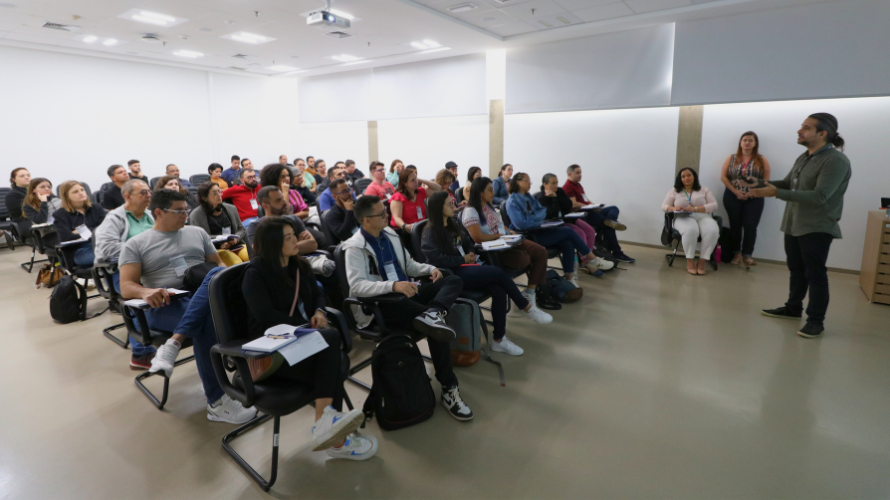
x=811 y=330
x=141 y=362
x=455 y=405
x=623 y=257
x=432 y=324
x=614 y=224
x=782 y=313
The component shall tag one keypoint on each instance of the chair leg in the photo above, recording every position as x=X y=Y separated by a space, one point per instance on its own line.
x=29 y=266
x=121 y=343
x=357 y=368
x=151 y=397
x=228 y=438
x=346 y=399
x=672 y=256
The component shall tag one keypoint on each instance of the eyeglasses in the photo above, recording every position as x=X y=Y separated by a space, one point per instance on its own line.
x=381 y=214
x=180 y=212
x=144 y=192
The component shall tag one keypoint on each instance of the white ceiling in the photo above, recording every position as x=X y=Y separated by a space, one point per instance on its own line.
x=382 y=34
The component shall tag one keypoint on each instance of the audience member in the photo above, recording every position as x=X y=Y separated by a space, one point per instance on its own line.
x=40 y=204
x=463 y=194
x=231 y=173
x=280 y=289
x=526 y=213
x=379 y=186
x=158 y=259
x=604 y=220
x=283 y=161
x=407 y=205
x=500 y=184
x=326 y=200
x=136 y=170
x=352 y=174
x=220 y=219
x=309 y=175
x=310 y=163
x=558 y=205
x=743 y=209
x=299 y=184
x=687 y=196
x=215 y=170
x=340 y=220
x=278 y=175
x=330 y=174
x=445 y=179
x=447 y=245
x=173 y=171
x=321 y=171
x=125 y=222
x=455 y=185
x=173 y=182
x=395 y=170
x=244 y=196
x=113 y=197
x=78 y=219
x=19 y=179
x=377 y=264
x=274 y=205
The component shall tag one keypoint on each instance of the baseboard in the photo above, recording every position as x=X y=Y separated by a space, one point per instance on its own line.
x=759 y=260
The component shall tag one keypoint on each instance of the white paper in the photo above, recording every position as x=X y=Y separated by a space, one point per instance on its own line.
x=510 y=238
x=574 y=215
x=552 y=224
x=84 y=232
x=281 y=330
x=226 y=231
x=494 y=244
x=268 y=344
x=141 y=304
x=305 y=346
x=595 y=206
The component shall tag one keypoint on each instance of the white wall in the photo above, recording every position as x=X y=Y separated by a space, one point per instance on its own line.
x=70 y=117
x=627 y=157
x=863 y=124
x=334 y=141
x=430 y=143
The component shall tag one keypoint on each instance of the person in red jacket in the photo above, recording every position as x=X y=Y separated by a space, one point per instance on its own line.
x=244 y=196
x=604 y=221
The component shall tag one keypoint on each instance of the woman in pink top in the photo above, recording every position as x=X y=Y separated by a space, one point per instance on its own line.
x=379 y=186
x=696 y=203
x=276 y=174
x=407 y=205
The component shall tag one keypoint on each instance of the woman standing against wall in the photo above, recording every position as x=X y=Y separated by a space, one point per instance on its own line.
x=743 y=209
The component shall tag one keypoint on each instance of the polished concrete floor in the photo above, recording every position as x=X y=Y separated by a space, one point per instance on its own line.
x=657 y=385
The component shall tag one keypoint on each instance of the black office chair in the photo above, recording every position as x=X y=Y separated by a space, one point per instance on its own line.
x=6 y=224
x=332 y=239
x=360 y=185
x=193 y=192
x=273 y=398
x=103 y=277
x=670 y=237
x=378 y=329
x=199 y=179
x=44 y=239
x=153 y=182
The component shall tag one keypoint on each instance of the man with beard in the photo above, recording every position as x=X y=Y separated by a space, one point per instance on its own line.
x=244 y=196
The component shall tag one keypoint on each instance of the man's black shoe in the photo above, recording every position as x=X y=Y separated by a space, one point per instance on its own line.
x=811 y=330
x=782 y=313
x=623 y=257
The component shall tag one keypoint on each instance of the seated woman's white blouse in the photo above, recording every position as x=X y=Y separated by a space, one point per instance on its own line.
x=702 y=197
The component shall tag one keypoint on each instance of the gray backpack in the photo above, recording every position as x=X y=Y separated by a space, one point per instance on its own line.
x=466 y=319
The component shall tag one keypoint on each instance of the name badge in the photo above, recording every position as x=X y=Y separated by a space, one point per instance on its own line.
x=179 y=265
x=253 y=204
x=391 y=274
x=419 y=214
x=461 y=250
x=388 y=196
x=501 y=229
x=584 y=197
x=227 y=231
x=84 y=232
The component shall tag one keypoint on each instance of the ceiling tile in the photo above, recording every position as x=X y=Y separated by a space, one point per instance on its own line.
x=24 y=7
x=603 y=12
x=501 y=3
x=534 y=9
x=572 y=5
x=641 y=6
x=557 y=21
x=488 y=18
x=511 y=29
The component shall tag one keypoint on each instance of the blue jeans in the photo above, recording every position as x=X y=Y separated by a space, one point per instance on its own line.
x=495 y=281
x=598 y=219
x=139 y=350
x=247 y=222
x=83 y=256
x=190 y=316
x=566 y=240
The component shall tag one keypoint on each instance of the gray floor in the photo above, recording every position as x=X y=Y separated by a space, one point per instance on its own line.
x=657 y=385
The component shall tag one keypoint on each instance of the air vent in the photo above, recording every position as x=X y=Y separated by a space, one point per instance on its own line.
x=150 y=38
x=505 y=2
x=462 y=7
x=60 y=27
x=339 y=34
x=236 y=67
x=245 y=57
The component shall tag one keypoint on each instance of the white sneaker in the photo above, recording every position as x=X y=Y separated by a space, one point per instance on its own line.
x=538 y=316
x=506 y=345
x=334 y=426
x=517 y=312
x=165 y=358
x=230 y=411
x=574 y=281
x=432 y=324
x=356 y=447
x=599 y=263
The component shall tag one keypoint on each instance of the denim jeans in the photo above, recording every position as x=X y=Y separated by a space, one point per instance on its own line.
x=190 y=316
x=807 y=255
x=495 y=281
x=247 y=222
x=597 y=219
x=566 y=240
x=84 y=256
x=744 y=215
x=139 y=350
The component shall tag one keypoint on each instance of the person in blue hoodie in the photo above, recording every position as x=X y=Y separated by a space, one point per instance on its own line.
x=526 y=213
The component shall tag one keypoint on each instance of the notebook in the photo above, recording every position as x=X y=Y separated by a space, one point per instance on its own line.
x=141 y=304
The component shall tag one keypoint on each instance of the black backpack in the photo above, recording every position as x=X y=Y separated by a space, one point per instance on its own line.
x=68 y=302
x=401 y=394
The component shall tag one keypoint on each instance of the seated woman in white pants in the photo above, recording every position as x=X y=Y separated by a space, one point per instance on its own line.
x=688 y=195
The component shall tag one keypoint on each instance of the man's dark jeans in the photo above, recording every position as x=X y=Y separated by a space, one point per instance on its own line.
x=807 y=255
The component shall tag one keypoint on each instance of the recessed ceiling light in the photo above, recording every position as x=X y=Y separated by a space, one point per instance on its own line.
x=345 y=58
x=431 y=44
x=109 y=42
x=461 y=7
x=188 y=53
x=426 y=44
x=245 y=37
x=90 y=39
x=282 y=68
x=149 y=17
x=159 y=17
x=418 y=45
x=149 y=20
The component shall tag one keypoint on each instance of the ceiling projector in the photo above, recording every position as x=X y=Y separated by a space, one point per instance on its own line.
x=325 y=18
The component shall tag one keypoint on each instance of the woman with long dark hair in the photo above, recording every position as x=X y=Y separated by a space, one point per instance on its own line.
x=463 y=194
x=19 y=179
x=447 y=245
x=407 y=205
x=696 y=203
x=77 y=213
x=500 y=184
x=220 y=219
x=280 y=289
x=744 y=210
x=40 y=203
x=276 y=174
x=172 y=182
x=485 y=224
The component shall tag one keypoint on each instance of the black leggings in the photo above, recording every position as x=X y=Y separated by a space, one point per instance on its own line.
x=494 y=280
x=322 y=370
x=743 y=215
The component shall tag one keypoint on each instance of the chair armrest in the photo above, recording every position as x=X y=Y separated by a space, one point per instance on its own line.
x=232 y=350
x=321 y=251
x=338 y=321
x=373 y=304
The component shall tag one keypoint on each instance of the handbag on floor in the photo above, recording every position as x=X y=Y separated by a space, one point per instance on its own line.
x=49 y=276
x=401 y=393
x=561 y=289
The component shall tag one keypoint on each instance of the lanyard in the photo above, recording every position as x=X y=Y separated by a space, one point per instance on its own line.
x=688 y=196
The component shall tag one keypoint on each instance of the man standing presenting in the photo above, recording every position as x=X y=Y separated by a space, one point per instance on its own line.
x=814 y=195
x=136 y=171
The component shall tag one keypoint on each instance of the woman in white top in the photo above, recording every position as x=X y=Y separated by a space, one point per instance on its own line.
x=696 y=203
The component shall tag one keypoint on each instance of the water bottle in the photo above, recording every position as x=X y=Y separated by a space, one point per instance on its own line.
x=718 y=253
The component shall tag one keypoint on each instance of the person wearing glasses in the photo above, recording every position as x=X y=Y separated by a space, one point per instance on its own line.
x=243 y=196
x=379 y=186
x=124 y=222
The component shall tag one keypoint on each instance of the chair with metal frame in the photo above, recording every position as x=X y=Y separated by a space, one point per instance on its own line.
x=552 y=252
x=198 y=179
x=272 y=398
x=360 y=185
x=44 y=238
x=6 y=224
x=65 y=255
x=670 y=237
x=103 y=276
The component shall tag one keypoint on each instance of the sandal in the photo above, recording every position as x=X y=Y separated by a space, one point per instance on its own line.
x=736 y=260
x=749 y=262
